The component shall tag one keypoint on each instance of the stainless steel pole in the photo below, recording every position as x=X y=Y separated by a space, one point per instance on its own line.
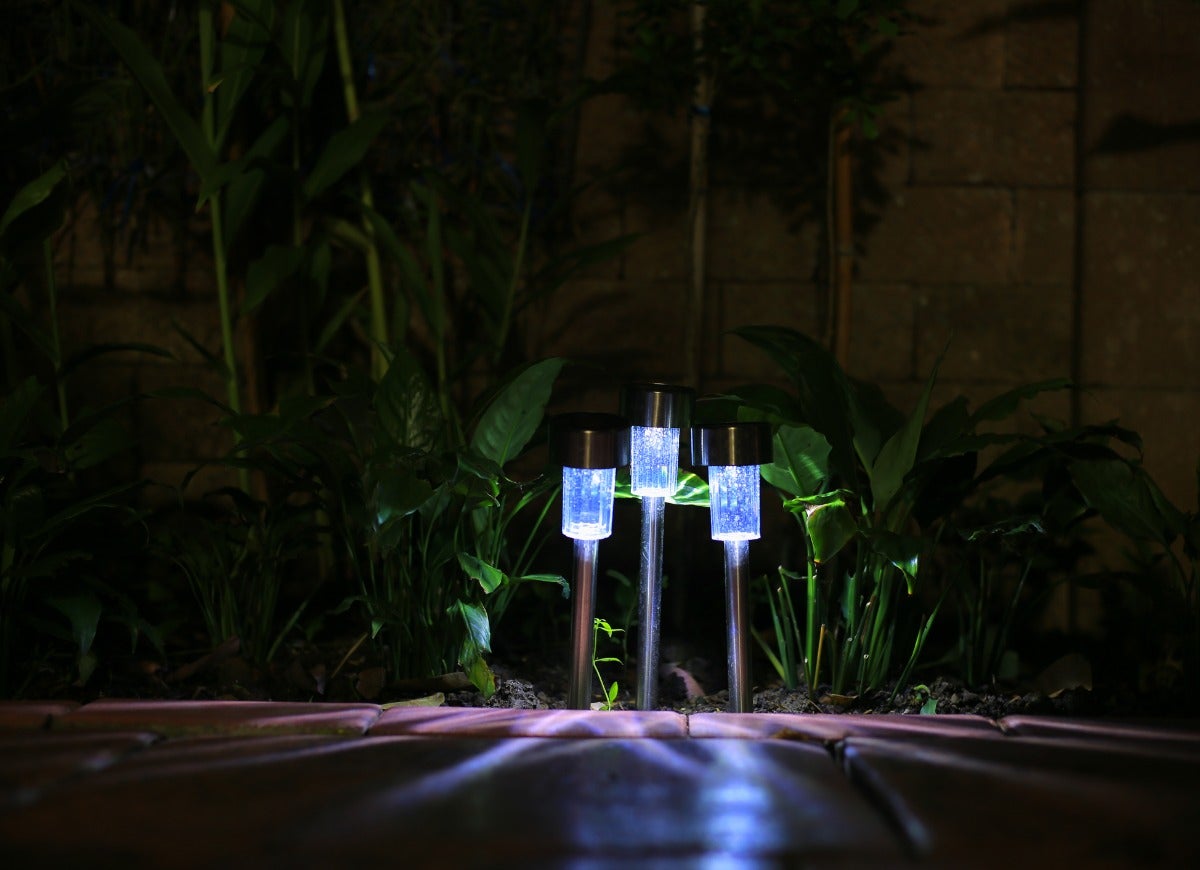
x=579 y=686
x=737 y=592
x=650 y=602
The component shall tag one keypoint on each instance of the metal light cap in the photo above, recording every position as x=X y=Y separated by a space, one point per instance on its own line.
x=587 y=440
x=658 y=406
x=745 y=443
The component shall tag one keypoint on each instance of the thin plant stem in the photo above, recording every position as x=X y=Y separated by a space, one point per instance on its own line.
x=52 y=294
x=378 y=327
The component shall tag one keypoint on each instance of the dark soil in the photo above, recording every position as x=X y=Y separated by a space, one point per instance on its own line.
x=529 y=686
x=308 y=673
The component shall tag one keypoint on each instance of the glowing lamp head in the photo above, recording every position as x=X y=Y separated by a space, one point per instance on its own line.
x=733 y=453
x=657 y=412
x=590 y=448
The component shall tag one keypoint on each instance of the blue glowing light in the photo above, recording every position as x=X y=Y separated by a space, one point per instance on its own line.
x=654 y=468
x=587 y=497
x=734 y=502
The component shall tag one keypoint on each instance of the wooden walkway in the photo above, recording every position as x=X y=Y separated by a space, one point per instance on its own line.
x=233 y=784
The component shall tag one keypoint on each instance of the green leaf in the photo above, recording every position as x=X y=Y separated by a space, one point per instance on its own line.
x=245 y=180
x=830 y=527
x=489 y=577
x=398 y=493
x=32 y=194
x=898 y=454
x=477 y=640
x=1125 y=496
x=823 y=392
x=345 y=150
x=96 y=350
x=550 y=578
x=800 y=463
x=514 y=414
x=242 y=47
x=150 y=76
x=902 y=551
x=845 y=8
x=692 y=489
x=100 y=442
x=276 y=266
x=83 y=612
x=407 y=407
x=1005 y=404
x=25 y=322
x=15 y=412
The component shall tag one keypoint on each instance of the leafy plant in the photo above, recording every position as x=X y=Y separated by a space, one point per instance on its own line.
x=610 y=690
x=876 y=493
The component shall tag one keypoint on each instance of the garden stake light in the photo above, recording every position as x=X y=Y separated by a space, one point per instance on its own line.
x=733 y=453
x=657 y=412
x=590 y=448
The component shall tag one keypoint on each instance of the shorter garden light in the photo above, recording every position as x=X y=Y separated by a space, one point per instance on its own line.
x=590 y=448
x=733 y=453
x=657 y=412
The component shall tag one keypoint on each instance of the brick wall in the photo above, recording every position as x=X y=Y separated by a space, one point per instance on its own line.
x=1000 y=162
x=994 y=166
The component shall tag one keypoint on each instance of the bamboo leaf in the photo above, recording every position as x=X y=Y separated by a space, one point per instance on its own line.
x=345 y=150
x=150 y=76
x=32 y=194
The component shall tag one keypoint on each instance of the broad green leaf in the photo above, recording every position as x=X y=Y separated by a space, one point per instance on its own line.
x=1005 y=404
x=1125 y=496
x=150 y=76
x=83 y=612
x=822 y=389
x=32 y=194
x=407 y=406
x=946 y=426
x=512 y=417
x=303 y=39
x=800 y=463
x=830 y=527
x=345 y=150
x=898 y=454
x=489 y=577
x=476 y=641
x=398 y=493
x=902 y=551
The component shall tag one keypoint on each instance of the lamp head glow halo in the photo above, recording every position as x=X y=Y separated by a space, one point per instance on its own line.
x=590 y=448
x=733 y=453
x=656 y=413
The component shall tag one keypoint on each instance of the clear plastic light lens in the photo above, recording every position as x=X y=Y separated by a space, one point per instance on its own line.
x=734 y=502
x=587 y=497
x=654 y=466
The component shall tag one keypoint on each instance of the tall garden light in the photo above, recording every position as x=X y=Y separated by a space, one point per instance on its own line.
x=733 y=453
x=590 y=448
x=656 y=413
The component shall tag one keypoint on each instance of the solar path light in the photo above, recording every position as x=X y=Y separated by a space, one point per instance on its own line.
x=733 y=453
x=590 y=448
x=656 y=413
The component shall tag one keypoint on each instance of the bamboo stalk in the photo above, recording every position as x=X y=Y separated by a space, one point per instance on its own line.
x=842 y=235
x=697 y=206
x=379 y=330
